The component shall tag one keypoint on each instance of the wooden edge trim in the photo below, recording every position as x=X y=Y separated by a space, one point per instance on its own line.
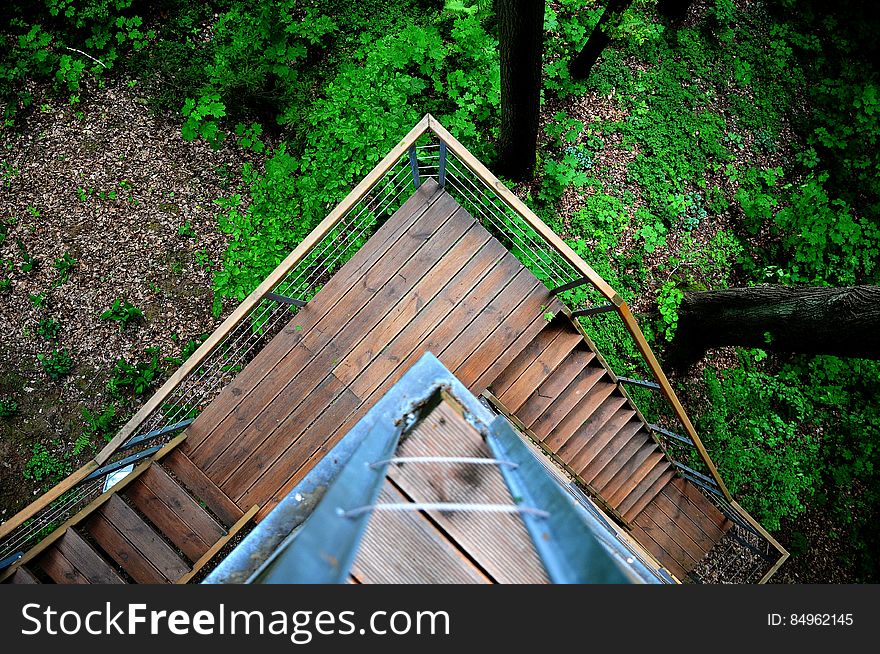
x=783 y=553
x=216 y=547
x=91 y=507
x=47 y=498
x=524 y=212
x=666 y=388
x=292 y=259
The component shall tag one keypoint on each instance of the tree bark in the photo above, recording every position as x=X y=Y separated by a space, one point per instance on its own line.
x=583 y=63
x=521 y=40
x=674 y=10
x=839 y=321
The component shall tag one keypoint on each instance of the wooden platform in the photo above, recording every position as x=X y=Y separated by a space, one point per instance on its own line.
x=431 y=279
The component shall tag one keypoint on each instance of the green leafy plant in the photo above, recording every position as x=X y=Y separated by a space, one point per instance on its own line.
x=8 y=407
x=123 y=312
x=56 y=364
x=135 y=378
x=45 y=466
x=49 y=329
x=64 y=265
x=669 y=298
x=186 y=230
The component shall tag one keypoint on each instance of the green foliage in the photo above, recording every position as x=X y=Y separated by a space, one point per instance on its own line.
x=57 y=364
x=8 y=407
x=64 y=265
x=49 y=329
x=135 y=378
x=44 y=466
x=202 y=118
x=669 y=297
x=100 y=424
x=123 y=312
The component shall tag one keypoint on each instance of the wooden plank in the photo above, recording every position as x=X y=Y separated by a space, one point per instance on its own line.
x=174 y=513
x=523 y=361
x=91 y=565
x=680 y=516
x=498 y=543
x=554 y=385
x=637 y=444
x=307 y=317
x=636 y=501
x=665 y=539
x=289 y=466
x=24 y=576
x=508 y=341
x=632 y=472
x=702 y=503
x=646 y=540
x=442 y=333
x=580 y=388
x=144 y=538
x=117 y=547
x=212 y=551
x=520 y=208
x=578 y=413
x=489 y=320
x=200 y=486
x=406 y=548
x=612 y=446
x=465 y=283
x=584 y=435
x=297 y=255
x=279 y=439
x=447 y=266
x=543 y=366
x=364 y=303
x=59 y=569
x=676 y=531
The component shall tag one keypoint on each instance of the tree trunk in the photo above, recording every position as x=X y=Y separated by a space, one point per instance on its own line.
x=521 y=36
x=583 y=63
x=674 y=10
x=839 y=321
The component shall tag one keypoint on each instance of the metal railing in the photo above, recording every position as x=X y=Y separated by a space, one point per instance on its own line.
x=428 y=151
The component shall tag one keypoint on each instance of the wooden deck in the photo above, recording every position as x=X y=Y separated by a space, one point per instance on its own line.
x=431 y=279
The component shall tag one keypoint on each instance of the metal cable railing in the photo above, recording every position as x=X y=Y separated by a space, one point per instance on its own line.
x=348 y=226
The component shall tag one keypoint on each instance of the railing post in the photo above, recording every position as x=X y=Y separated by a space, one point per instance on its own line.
x=414 y=166
x=441 y=175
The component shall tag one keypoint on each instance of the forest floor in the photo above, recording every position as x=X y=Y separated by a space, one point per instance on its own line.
x=114 y=188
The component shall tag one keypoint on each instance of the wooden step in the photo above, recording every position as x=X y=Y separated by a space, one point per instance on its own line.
x=540 y=369
x=174 y=512
x=22 y=576
x=134 y=545
x=72 y=560
x=554 y=385
x=523 y=360
x=576 y=391
x=579 y=413
x=632 y=472
x=200 y=486
x=582 y=439
x=616 y=435
x=636 y=501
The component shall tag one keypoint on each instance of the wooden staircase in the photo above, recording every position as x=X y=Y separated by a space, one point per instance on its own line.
x=161 y=524
x=560 y=392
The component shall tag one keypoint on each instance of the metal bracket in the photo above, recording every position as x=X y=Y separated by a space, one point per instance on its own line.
x=602 y=308
x=414 y=166
x=156 y=432
x=110 y=467
x=644 y=383
x=672 y=434
x=570 y=285
x=283 y=299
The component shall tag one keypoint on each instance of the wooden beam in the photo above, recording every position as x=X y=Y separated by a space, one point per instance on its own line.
x=783 y=553
x=216 y=547
x=524 y=212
